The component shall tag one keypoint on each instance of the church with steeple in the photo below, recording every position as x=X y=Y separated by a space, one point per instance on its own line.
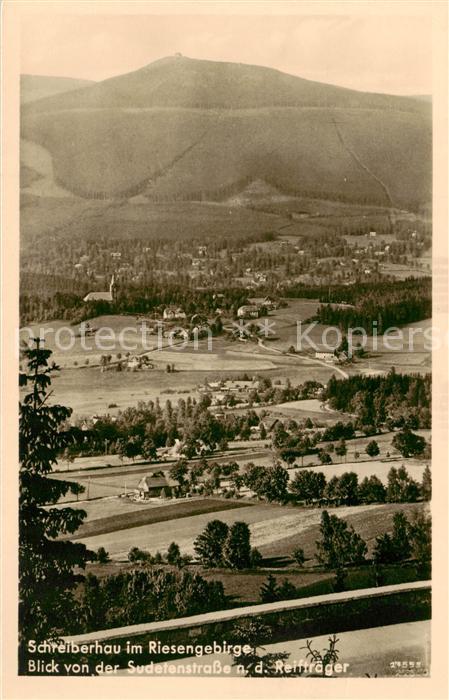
x=104 y=296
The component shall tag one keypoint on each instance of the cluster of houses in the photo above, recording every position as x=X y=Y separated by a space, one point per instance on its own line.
x=174 y=313
x=337 y=357
x=258 y=308
x=222 y=391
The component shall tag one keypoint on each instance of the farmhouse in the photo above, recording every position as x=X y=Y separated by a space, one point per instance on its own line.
x=174 y=313
x=111 y=295
x=248 y=311
x=156 y=485
x=256 y=431
x=270 y=303
x=238 y=386
x=223 y=390
x=326 y=356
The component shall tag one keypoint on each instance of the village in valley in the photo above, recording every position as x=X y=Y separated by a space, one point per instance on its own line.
x=244 y=428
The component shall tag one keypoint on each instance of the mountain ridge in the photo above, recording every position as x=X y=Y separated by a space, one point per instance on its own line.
x=37 y=87
x=188 y=129
x=180 y=81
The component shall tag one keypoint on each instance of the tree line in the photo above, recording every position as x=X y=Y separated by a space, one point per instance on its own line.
x=354 y=294
x=310 y=486
x=340 y=549
x=394 y=400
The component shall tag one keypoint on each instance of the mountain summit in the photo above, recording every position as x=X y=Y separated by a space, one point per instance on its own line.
x=178 y=81
x=182 y=128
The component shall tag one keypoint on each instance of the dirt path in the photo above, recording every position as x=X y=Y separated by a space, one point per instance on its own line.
x=359 y=162
x=304 y=360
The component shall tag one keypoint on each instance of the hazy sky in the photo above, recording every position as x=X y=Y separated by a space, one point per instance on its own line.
x=385 y=54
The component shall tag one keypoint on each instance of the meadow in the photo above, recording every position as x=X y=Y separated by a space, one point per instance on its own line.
x=154 y=514
x=275 y=530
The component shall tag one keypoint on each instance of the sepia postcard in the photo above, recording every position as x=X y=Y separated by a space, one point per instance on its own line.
x=224 y=349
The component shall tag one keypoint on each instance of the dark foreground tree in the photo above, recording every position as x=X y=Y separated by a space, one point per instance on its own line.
x=209 y=543
x=173 y=554
x=339 y=544
x=401 y=488
x=47 y=577
x=408 y=444
x=269 y=591
x=275 y=483
x=372 y=449
x=420 y=532
x=372 y=490
x=299 y=556
x=237 y=547
x=102 y=556
x=308 y=485
x=408 y=539
x=426 y=484
x=146 y=595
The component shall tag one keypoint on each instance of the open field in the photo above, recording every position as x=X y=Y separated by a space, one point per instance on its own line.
x=244 y=587
x=87 y=390
x=414 y=467
x=369 y=521
x=155 y=514
x=297 y=410
x=183 y=531
x=274 y=529
x=401 y=272
x=73 y=216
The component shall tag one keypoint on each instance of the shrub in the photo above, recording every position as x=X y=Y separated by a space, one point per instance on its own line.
x=299 y=556
x=255 y=558
x=102 y=555
x=339 y=544
x=209 y=544
x=173 y=554
x=135 y=554
x=269 y=591
x=144 y=595
x=372 y=449
x=237 y=548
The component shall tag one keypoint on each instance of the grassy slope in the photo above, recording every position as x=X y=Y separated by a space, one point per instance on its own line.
x=152 y=515
x=36 y=87
x=94 y=219
x=181 y=153
x=244 y=587
x=367 y=523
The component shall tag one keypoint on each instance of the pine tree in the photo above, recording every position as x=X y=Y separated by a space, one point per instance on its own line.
x=46 y=565
x=269 y=591
x=209 y=543
x=426 y=484
x=237 y=547
x=173 y=554
x=340 y=544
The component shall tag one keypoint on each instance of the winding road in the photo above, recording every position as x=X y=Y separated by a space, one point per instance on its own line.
x=304 y=360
